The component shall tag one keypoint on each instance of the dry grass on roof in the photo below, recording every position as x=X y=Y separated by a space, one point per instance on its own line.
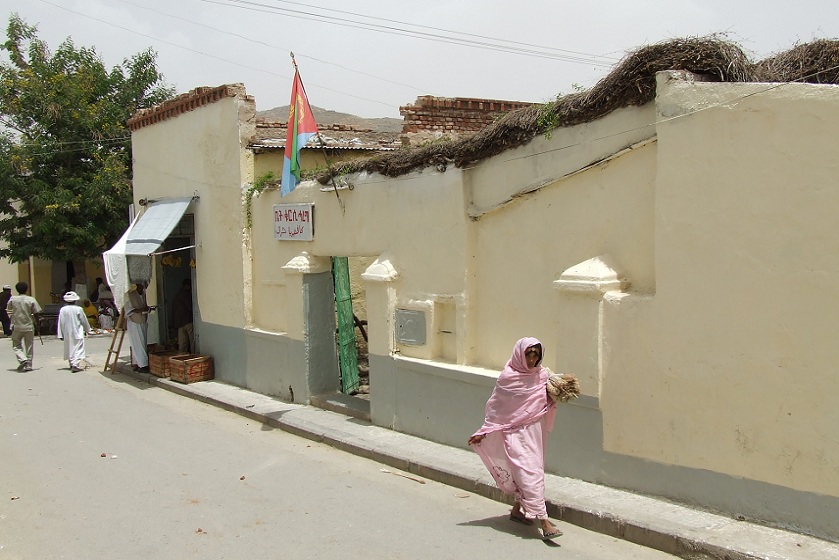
x=814 y=63
x=630 y=83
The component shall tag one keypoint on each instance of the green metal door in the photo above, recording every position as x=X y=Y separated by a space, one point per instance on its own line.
x=346 y=325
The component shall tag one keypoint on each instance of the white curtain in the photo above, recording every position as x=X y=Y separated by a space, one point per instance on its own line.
x=116 y=267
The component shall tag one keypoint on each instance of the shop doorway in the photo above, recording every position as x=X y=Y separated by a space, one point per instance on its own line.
x=174 y=263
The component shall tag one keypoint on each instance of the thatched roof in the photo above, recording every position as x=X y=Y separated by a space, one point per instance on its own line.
x=630 y=83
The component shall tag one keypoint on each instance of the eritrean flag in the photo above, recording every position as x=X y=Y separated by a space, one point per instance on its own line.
x=301 y=127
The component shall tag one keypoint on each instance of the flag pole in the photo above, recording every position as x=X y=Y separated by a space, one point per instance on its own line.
x=322 y=147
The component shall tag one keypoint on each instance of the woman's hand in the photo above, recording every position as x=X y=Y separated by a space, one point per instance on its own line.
x=474 y=440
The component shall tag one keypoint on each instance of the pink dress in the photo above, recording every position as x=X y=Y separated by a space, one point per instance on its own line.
x=519 y=417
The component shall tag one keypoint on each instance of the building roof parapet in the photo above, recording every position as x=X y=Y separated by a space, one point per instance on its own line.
x=184 y=103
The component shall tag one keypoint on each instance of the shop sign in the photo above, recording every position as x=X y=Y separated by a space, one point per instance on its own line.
x=294 y=222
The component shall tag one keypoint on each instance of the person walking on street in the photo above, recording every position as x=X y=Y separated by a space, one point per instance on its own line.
x=182 y=317
x=511 y=443
x=137 y=313
x=24 y=312
x=5 y=296
x=73 y=326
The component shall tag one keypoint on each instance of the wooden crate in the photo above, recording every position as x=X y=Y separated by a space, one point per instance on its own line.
x=189 y=368
x=159 y=362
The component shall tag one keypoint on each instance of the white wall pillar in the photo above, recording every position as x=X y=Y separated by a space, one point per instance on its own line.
x=580 y=346
x=381 y=305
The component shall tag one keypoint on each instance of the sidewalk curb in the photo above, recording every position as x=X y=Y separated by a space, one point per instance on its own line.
x=649 y=522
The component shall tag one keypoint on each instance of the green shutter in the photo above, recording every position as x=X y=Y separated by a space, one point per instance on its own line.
x=346 y=326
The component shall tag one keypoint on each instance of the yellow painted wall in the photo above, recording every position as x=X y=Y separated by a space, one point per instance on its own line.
x=525 y=246
x=10 y=274
x=202 y=153
x=731 y=366
x=420 y=219
x=40 y=281
x=461 y=237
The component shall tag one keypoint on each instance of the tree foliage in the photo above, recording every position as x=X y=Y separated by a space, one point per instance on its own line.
x=65 y=152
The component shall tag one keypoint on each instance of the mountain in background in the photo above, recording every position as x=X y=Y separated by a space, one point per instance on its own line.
x=327 y=117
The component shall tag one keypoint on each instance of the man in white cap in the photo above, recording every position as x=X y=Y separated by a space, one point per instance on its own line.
x=137 y=313
x=72 y=328
x=24 y=312
x=5 y=296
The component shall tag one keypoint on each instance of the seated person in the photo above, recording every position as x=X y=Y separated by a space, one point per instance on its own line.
x=106 y=300
x=107 y=317
x=91 y=313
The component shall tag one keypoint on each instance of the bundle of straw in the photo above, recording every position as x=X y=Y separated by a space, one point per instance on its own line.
x=563 y=387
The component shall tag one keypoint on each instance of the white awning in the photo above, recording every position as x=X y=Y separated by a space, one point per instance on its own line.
x=129 y=260
x=155 y=225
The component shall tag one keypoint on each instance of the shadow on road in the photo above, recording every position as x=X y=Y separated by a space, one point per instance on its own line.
x=122 y=375
x=504 y=525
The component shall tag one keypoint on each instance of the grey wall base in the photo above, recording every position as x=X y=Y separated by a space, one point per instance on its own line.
x=417 y=398
x=266 y=363
x=274 y=364
x=802 y=512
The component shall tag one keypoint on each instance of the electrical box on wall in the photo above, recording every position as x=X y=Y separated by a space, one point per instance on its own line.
x=410 y=327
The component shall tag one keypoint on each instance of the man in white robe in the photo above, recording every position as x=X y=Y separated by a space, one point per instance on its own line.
x=73 y=326
x=137 y=313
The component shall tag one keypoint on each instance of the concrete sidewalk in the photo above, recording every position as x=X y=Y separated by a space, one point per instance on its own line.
x=650 y=522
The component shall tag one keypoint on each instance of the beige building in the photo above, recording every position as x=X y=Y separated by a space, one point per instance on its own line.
x=46 y=281
x=677 y=256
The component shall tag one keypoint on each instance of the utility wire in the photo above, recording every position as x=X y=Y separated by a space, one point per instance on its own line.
x=233 y=62
x=326 y=88
x=270 y=46
x=113 y=140
x=60 y=152
x=343 y=22
x=587 y=55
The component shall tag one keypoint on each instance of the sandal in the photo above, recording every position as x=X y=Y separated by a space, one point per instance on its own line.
x=546 y=536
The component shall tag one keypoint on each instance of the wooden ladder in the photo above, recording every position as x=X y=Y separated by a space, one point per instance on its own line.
x=118 y=331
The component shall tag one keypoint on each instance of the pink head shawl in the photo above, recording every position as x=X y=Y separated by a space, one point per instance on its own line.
x=519 y=397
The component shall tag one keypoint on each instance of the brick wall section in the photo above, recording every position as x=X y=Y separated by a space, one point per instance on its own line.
x=450 y=117
x=184 y=103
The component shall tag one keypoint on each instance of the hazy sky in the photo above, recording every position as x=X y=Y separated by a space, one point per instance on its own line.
x=369 y=57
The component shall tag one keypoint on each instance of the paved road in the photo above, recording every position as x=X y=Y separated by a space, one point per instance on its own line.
x=184 y=480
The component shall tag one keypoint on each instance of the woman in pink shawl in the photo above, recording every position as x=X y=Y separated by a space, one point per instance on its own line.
x=511 y=443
